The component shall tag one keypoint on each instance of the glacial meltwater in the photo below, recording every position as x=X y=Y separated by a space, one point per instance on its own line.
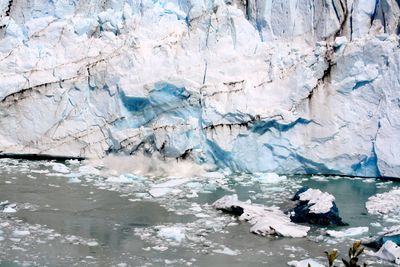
x=72 y=214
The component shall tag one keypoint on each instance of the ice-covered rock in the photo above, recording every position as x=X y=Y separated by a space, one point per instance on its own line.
x=315 y=207
x=264 y=220
x=255 y=86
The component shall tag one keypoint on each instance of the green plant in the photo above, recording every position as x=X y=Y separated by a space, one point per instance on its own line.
x=354 y=252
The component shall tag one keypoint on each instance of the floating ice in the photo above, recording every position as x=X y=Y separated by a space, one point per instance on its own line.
x=21 y=233
x=59 y=167
x=9 y=209
x=227 y=251
x=389 y=252
x=92 y=243
x=385 y=203
x=391 y=234
x=315 y=207
x=88 y=170
x=270 y=178
x=348 y=232
x=164 y=188
x=123 y=179
x=305 y=263
x=265 y=220
x=172 y=233
x=74 y=180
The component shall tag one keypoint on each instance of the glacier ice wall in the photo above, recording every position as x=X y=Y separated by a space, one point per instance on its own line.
x=298 y=86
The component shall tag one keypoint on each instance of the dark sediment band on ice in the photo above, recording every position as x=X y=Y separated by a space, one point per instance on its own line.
x=39 y=157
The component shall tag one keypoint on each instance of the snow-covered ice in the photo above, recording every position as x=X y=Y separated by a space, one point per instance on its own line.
x=321 y=202
x=264 y=220
x=387 y=203
x=354 y=231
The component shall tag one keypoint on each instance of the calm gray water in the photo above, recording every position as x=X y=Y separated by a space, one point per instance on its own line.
x=100 y=223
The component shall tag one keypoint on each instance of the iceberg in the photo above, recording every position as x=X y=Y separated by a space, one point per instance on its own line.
x=315 y=207
x=387 y=203
x=264 y=220
x=389 y=252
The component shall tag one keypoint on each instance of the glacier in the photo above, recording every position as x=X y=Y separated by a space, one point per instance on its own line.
x=298 y=86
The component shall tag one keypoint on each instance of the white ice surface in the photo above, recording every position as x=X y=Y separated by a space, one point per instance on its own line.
x=305 y=263
x=245 y=88
x=172 y=233
x=355 y=231
x=389 y=252
x=385 y=203
x=264 y=220
x=321 y=202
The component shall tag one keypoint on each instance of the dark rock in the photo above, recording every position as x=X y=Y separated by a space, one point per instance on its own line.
x=301 y=213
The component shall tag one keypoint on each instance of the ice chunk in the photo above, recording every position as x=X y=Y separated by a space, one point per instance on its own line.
x=59 y=167
x=389 y=251
x=216 y=175
x=385 y=203
x=9 y=209
x=74 y=180
x=123 y=178
x=391 y=234
x=227 y=251
x=92 y=243
x=265 y=220
x=348 y=232
x=305 y=263
x=315 y=207
x=270 y=178
x=164 y=188
x=21 y=233
x=172 y=233
x=88 y=170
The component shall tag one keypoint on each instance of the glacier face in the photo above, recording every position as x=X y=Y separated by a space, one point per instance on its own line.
x=297 y=86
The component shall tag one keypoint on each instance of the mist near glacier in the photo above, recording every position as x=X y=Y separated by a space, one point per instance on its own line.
x=155 y=166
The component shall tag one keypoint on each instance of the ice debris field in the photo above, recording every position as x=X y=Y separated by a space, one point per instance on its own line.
x=89 y=214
